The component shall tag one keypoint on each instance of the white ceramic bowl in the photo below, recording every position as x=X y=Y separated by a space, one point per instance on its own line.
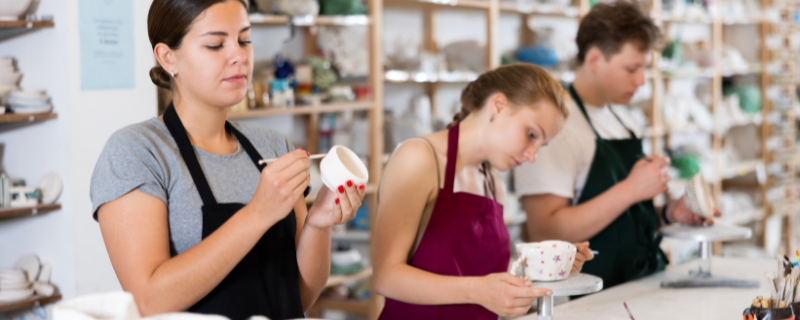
x=698 y=197
x=342 y=164
x=10 y=79
x=544 y=261
x=11 y=10
x=29 y=93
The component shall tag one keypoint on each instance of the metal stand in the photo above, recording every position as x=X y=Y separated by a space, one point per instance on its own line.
x=576 y=284
x=705 y=236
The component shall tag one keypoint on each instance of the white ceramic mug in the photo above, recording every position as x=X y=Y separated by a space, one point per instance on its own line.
x=544 y=261
x=342 y=164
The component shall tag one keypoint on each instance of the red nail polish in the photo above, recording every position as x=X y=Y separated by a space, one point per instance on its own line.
x=337 y=200
x=361 y=187
x=298 y=148
x=341 y=189
x=308 y=153
x=349 y=183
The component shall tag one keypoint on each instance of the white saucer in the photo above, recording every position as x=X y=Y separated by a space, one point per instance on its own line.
x=30 y=110
x=31 y=264
x=51 y=186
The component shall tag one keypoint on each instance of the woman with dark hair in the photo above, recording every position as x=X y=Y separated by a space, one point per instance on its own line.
x=442 y=248
x=190 y=220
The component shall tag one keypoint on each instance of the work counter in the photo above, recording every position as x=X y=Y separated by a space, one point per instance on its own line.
x=648 y=301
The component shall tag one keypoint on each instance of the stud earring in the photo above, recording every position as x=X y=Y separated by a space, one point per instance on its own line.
x=172 y=73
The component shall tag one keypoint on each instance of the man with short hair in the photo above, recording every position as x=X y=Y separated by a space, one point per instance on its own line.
x=593 y=182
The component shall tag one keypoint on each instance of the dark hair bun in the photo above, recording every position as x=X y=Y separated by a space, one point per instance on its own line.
x=160 y=77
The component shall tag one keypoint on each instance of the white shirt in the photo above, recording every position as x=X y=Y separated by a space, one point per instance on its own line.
x=561 y=167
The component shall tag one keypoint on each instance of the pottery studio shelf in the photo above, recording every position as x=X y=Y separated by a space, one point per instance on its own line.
x=301 y=21
x=27 y=211
x=30 y=302
x=21 y=118
x=9 y=29
x=402 y=76
x=301 y=110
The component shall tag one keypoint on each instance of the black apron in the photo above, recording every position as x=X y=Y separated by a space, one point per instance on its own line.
x=629 y=246
x=265 y=282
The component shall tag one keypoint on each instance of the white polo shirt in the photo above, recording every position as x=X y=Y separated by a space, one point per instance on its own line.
x=561 y=167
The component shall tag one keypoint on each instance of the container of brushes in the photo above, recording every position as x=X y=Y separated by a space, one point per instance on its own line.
x=755 y=313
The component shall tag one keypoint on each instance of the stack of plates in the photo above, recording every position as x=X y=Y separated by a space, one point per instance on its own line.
x=9 y=75
x=29 y=102
x=14 y=285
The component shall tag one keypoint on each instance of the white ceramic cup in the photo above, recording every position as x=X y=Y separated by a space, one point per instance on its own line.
x=544 y=261
x=342 y=164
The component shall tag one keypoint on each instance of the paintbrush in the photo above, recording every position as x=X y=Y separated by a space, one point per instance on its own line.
x=629 y=310
x=312 y=157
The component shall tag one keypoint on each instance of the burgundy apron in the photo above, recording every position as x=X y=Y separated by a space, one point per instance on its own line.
x=466 y=236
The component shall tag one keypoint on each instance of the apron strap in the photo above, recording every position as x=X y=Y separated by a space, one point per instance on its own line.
x=489 y=180
x=578 y=102
x=452 y=155
x=248 y=147
x=178 y=132
x=633 y=136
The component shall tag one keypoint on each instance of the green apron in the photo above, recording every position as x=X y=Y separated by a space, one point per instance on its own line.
x=629 y=246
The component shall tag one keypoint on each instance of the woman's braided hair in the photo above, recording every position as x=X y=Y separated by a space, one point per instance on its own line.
x=524 y=84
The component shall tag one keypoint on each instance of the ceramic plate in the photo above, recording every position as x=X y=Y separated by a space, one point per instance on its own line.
x=15 y=295
x=11 y=274
x=11 y=286
x=28 y=110
x=33 y=102
x=29 y=94
x=31 y=265
x=51 y=186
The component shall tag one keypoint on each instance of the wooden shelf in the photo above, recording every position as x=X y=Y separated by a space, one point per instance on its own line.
x=352 y=306
x=351 y=236
x=741 y=169
x=10 y=29
x=401 y=76
x=307 y=21
x=17 y=212
x=17 y=118
x=462 y=4
x=324 y=108
x=30 y=302
x=344 y=279
x=370 y=189
x=547 y=10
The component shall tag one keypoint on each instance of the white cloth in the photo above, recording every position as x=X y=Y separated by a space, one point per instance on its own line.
x=561 y=167
x=115 y=306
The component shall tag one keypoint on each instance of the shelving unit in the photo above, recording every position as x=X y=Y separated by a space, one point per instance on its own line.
x=300 y=110
x=784 y=54
x=10 y=29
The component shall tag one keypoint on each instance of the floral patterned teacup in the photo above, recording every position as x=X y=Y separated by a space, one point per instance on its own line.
x=544 y=261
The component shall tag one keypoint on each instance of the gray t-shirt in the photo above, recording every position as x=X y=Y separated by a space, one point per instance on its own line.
x=145 y=157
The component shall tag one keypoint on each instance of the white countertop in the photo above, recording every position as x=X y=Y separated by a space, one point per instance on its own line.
x=648 y=301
